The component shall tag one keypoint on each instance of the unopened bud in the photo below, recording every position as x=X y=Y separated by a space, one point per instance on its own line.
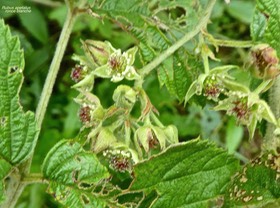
x=265 y=61
x=97 y=51
x=124 y=96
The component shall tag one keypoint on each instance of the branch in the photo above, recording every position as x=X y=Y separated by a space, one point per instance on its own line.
x=168 y=52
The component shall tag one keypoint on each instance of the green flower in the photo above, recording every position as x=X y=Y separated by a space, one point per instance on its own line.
x=248 y=108
x=211 y=84
x=119 y=66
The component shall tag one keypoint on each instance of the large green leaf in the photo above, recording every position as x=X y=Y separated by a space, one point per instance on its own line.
x=186 y=175
x=271 y=9
x=73 y=175
x=17 y=128
x=257 y=185
x=5 y=167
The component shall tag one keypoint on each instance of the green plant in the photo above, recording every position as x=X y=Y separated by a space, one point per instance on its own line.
x=128 y=153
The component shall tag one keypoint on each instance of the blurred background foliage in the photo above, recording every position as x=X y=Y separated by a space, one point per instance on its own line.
x=39 y=32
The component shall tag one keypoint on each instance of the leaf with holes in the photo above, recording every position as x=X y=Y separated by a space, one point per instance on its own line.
x=271 y=9
x=195 y=174
x=74 y=174
x=257 y=185
x=5 y=168
x=17 y=128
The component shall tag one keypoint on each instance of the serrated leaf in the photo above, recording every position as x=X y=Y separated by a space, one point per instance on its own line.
x=17 y=129
x=73 y=175
x=271 y=9
x=194 y=173
x=257 y=185
x=258 y=26
x=131 y=11
x=181 y=76
x=5 y=167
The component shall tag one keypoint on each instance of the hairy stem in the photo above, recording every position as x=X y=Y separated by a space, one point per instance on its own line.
x=14 y=188
x=16 y=182
x=34 y=178
x=230 y=43
x=201 y=25
x=272 y=141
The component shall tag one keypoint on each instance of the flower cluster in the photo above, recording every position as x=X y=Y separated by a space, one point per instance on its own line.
x=122 y=138
x=238 y=100
x=103 y=60
x=248 y=108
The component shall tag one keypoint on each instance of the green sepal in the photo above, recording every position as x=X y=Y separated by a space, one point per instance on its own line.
x=104 y=140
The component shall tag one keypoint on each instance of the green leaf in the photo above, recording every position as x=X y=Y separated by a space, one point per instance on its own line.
x=5 y=168
x=181 y=76
x=36 y=24
x=256 y=185
x=131 y=11
x=271 y=9
x=194 y=173
x=73 y=175
x=258 y=26
x=17 y=129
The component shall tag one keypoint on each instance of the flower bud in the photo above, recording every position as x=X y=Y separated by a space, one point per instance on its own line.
x=104 y=140
x=150 y=137
x=124 y=96
x=265 y=62
x=97 y=51
x=171 y=133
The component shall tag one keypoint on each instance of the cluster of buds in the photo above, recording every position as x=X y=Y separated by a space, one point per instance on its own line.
x=112 y=128
x=265 y=62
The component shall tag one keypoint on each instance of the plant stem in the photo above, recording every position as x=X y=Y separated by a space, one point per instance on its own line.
x=231 y=43
x=17 y=180
x=13 y=190
x=34 y=178
x=271 y=141
x=164 y=55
